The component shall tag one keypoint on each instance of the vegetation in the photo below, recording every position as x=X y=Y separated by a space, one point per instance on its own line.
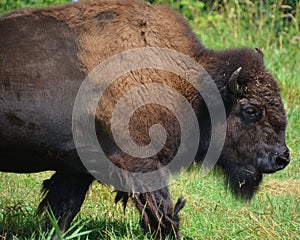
x=211 y=212
x=7 y=5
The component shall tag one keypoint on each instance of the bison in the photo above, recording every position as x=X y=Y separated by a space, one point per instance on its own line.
x=45 y=55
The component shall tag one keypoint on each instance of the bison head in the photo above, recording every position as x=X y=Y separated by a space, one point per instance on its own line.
x=256 y=123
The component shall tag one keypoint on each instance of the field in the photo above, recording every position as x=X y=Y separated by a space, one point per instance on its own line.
x=211 y=212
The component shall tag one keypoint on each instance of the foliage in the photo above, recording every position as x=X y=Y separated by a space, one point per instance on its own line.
x=7 y=5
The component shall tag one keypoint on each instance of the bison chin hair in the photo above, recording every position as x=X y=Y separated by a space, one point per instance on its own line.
x=243 y=181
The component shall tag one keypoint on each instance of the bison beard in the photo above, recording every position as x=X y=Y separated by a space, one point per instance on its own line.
x=243 y=181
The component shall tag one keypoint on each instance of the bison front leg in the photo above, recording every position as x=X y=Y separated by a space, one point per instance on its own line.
x=64 y=195
x=159 y=216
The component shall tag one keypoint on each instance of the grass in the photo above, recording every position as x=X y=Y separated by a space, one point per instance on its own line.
x=211 y=212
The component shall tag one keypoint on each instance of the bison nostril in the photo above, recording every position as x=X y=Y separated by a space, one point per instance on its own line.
x=286 y=154
x=282 y=162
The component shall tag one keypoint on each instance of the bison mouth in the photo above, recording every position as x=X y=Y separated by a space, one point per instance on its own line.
x=274 y=162
x=243 y=180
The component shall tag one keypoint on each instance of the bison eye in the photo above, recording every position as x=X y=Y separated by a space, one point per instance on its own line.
x=251 y=112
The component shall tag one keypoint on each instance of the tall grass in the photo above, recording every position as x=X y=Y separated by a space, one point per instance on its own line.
x=211 y=212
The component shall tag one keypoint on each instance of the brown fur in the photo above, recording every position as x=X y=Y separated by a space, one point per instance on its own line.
x=46 y=54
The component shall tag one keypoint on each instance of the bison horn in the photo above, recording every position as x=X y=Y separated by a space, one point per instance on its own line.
x=232 y=83
x=260 y=52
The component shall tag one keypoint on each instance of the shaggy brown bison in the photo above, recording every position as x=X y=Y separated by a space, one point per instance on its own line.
x=45 y=55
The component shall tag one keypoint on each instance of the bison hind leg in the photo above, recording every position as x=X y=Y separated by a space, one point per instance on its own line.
x=64 y=194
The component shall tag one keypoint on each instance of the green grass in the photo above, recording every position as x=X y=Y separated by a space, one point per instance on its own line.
x=211 y=212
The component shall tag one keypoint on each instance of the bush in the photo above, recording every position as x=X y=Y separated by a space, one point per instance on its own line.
x=8 y=5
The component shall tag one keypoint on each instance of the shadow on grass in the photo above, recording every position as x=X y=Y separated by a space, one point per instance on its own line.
x=28 y=226
x=19 y=222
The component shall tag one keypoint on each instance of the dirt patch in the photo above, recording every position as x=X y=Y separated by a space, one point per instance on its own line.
x=275 y=187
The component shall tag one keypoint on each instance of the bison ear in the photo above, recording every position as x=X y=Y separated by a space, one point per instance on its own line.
x=232 y=83
x=260 y=52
